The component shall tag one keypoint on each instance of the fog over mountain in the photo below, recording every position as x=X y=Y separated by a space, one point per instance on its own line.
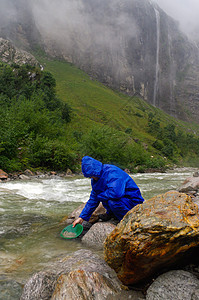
x=130 y=45
x=185 y=12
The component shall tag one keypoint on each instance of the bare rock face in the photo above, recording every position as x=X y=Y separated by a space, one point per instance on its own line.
x=130 y=45
x=10 y=54
x=83 y=275
x=152 y=236
x=176 y=284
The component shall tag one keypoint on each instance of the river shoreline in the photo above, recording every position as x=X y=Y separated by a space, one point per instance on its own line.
x=28 y=174
x=31 y=205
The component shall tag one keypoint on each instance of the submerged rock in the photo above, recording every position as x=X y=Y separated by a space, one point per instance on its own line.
x=83 y=275
x=177 y=284
x=153 y=236
x=9 y=289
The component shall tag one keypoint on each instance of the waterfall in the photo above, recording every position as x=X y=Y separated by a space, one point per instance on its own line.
x=171 y=75
x=157 y=16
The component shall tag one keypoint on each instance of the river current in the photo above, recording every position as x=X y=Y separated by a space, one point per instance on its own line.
x=31 y=213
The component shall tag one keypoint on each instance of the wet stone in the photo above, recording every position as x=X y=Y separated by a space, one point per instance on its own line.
x=9 y=289
x=177 y=284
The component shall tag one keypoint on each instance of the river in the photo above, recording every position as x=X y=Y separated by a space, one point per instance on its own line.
x=31 y=211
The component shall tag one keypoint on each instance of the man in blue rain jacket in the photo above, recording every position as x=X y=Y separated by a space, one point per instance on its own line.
x=110 y=185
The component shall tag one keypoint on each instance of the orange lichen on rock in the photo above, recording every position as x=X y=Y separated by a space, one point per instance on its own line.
x=152 y=235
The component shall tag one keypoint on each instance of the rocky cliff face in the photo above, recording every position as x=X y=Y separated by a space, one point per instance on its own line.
x=10 y=54
x=18 y=25
x=129 y=45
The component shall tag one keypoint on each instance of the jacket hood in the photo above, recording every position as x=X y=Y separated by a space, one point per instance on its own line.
x=91 y=167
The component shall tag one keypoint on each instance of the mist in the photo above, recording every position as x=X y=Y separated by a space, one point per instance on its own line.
x=61 y=21
x=72 y=14
x=185 y=12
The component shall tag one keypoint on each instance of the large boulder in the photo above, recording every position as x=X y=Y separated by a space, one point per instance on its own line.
x=152 y=236
x=97 y=234
x=83 y=275
x=190 y=184
x=176 y=284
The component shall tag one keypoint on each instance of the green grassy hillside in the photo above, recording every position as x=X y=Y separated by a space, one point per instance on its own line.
x=51 y=118
x=95 y=105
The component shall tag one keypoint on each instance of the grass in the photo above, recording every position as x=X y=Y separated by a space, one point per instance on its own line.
x=93 y=103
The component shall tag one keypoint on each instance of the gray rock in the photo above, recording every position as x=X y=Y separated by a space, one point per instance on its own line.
x=173 y=285
x=9 y=289
x=196 y=200
x=10 y=54
x=24 y=177
x=190 y=184
x=195 y=295
x=79 y=276
x=97 y=234
x=196 y=174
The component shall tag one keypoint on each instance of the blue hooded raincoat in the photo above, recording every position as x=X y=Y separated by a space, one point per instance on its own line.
x=114 y=188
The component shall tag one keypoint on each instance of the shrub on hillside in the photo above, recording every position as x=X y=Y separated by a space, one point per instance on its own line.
x=33 y=120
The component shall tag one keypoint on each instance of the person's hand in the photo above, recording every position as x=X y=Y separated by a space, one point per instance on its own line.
x=77 y=221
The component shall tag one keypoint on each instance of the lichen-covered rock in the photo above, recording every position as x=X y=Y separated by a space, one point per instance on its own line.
x=97 y=234
x=80 y=284
x=178 y=285
x=152 y=235
x=83 y=275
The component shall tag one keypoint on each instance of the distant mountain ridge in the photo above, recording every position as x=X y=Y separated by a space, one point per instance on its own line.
x=129 y=45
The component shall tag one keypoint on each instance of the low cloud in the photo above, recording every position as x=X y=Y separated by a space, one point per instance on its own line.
x=185 y=12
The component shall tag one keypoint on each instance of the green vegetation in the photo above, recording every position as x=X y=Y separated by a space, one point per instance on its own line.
x=33 y=120
x=38 y=130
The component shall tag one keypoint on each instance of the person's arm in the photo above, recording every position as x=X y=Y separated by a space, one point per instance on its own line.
x=88 y=209
x=77 y=221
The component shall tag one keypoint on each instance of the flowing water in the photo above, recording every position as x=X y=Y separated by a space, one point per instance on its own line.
x=31 y=211
x=157 y=16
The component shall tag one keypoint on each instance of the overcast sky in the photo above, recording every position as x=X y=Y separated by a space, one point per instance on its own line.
x=185 y=11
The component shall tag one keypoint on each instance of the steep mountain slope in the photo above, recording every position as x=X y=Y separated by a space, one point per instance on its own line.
x=97 y=108
x=94 y=103
x=129 y=45
x=105 y=124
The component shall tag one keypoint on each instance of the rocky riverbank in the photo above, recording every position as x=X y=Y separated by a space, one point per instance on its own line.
x=151 y=254
x=28 y=175
x=79 y=272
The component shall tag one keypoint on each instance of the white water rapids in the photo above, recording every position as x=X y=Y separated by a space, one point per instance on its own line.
x=31 y=211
